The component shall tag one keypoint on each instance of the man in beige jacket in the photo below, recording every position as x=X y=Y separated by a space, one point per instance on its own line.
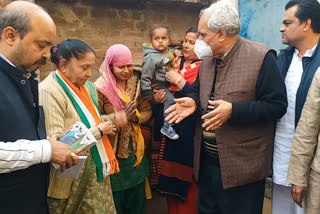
x=304 y=167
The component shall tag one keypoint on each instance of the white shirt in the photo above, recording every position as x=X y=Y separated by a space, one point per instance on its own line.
x=5 y=59
x=286 y=126
x=23 y=153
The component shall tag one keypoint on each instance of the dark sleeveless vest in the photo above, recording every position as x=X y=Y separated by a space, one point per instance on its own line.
x=22 y=191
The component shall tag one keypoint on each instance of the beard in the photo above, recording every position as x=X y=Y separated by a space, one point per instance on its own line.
x=21 y=60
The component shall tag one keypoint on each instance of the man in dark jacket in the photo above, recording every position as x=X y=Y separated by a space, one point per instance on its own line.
x=26 y=34
x=297 y=63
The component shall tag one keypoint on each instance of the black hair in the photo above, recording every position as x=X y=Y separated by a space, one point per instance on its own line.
x=68 y=49
x=193 y=29
x=307 y=9
x=156 y=26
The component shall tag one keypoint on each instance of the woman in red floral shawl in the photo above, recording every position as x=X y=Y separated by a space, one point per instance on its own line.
x=176 y=181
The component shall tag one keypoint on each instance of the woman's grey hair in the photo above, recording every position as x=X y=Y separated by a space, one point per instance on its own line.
x=19 y=20
x=222 y=15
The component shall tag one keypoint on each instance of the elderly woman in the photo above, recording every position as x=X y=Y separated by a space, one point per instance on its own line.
x=176 y=181
x=66 y=100
x=119 y=93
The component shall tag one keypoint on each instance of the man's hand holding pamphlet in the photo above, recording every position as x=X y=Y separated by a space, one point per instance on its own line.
x=80 y=139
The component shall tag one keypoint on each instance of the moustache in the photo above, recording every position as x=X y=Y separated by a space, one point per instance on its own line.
x=41 y=61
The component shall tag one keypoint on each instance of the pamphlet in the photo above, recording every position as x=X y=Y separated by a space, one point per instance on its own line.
x=73 y=171
x=78 y=137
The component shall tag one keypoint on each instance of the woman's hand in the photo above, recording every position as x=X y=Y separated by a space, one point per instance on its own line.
x=175 y=78
x=108 y=128
x=130 y=110
x=159 y=95
x=172 y=76
x=120 y=119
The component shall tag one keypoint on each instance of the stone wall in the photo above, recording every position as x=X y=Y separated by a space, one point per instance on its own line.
x=101 y=23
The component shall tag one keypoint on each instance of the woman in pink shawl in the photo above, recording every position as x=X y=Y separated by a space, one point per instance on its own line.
x=120 y=100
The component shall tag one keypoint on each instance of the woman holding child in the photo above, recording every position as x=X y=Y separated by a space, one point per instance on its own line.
x=66 y=100
x=176 y=181
x=120 y=99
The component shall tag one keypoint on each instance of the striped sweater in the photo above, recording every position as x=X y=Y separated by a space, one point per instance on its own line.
x=60 y=114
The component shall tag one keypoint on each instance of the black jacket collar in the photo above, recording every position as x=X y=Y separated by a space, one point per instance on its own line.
x=12 y=71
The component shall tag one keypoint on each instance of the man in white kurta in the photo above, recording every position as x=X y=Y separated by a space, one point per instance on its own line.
x=303 y=51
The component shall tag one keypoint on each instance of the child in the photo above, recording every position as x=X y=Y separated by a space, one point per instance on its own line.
x=157 y=60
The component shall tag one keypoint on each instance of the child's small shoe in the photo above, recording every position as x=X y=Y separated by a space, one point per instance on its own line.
x=168 y=131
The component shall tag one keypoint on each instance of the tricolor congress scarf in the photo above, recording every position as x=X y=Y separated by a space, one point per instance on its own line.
x=102 y=153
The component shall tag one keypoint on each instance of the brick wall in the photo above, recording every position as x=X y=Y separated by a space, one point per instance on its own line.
x=100 y=23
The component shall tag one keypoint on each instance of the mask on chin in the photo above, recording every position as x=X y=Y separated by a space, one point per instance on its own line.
x=202 y=49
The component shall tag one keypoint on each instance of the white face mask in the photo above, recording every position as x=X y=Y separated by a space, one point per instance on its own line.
x=202 y=49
